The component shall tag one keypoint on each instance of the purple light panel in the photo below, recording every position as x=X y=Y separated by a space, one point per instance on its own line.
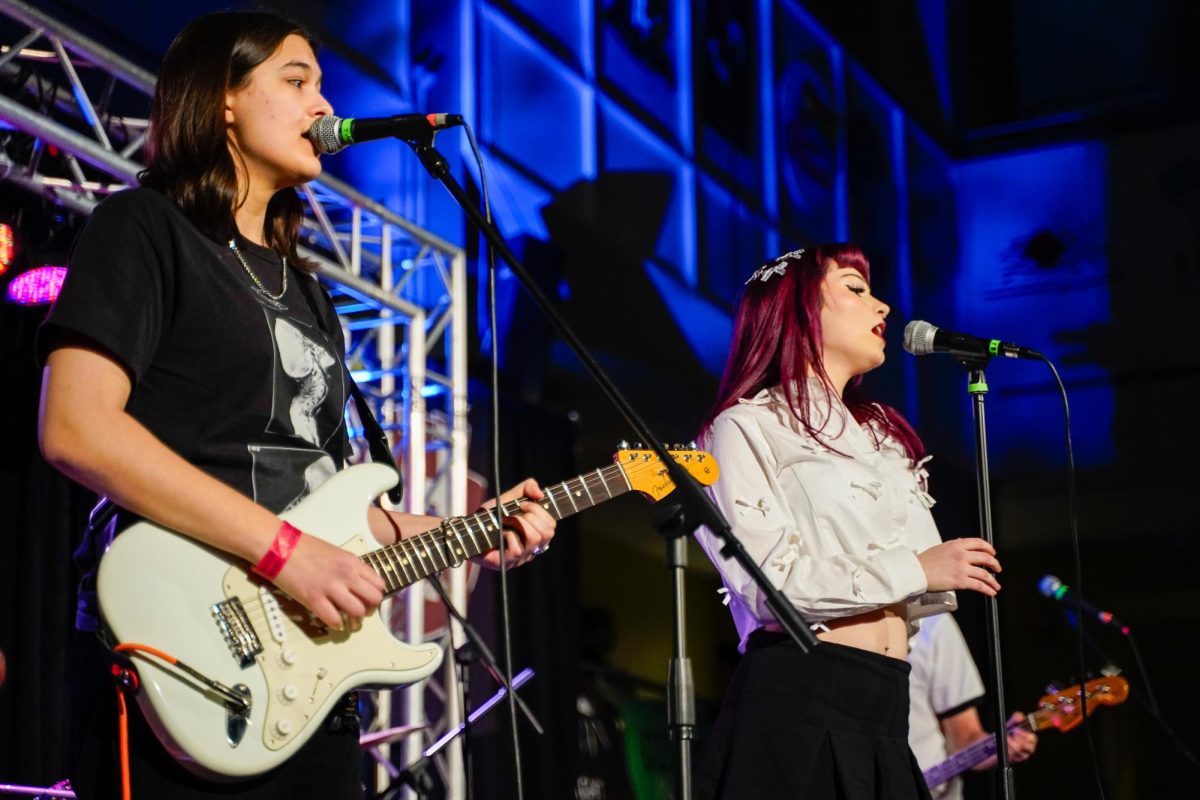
x=37 y=286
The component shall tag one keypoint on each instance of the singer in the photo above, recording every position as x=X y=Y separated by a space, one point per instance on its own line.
x=827 y=491
x=194 y=375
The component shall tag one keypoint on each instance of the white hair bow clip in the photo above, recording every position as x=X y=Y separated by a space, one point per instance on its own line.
x=777 y=267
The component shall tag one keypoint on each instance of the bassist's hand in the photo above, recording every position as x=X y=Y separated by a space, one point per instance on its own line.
x=526 y=533
x=1021 y=741
x=334 y=584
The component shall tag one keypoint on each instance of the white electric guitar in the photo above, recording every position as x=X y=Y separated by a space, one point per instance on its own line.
x=251 y=673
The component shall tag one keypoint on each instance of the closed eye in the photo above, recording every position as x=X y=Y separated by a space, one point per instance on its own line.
x=858 y=290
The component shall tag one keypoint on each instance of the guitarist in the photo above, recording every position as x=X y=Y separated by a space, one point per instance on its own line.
x=194 y=376
x=945 y=689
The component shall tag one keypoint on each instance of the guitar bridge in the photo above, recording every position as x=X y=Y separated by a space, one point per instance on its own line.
x=238 y=632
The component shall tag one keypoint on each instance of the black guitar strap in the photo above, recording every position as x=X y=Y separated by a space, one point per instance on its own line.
x=377 y=442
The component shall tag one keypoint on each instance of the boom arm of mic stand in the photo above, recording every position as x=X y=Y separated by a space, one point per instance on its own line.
x=695 y=503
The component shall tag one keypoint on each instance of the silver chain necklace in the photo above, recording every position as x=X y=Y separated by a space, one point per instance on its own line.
x=283 y=272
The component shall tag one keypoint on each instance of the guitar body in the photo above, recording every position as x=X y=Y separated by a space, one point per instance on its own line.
x=203 y=607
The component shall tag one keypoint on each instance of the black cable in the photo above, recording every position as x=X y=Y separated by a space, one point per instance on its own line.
x=1137 y=656
x=1074 y=522
x=498 y=510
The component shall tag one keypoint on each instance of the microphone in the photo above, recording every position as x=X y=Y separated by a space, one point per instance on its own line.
x=332 y=134
x=1055 y=589
x=922 y=338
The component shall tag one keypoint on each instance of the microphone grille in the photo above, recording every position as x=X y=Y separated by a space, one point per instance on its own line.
x=918 y=337
x=324 y=134
x=1049 y=585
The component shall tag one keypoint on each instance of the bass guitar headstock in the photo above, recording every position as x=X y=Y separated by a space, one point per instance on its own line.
x=1064 y=710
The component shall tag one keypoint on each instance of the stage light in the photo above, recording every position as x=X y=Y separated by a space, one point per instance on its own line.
x=38 y=286
x=6 y=247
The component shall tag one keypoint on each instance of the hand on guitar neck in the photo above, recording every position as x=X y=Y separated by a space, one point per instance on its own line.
x=966 y=728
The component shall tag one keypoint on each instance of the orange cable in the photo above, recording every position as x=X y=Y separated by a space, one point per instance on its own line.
x=154 y=651
x=123 y=737
x=123 y=712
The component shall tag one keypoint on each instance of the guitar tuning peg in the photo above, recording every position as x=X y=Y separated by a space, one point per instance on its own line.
x=638 y=446
x=1053 y=688
x=692 y=445
x=677 y=446
x=622 y=445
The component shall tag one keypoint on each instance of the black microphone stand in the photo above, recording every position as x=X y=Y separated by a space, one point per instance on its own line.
x=977 y=388
x=477 y=649
x=692 y=508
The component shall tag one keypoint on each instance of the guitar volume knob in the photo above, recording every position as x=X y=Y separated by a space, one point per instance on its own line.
x=283 y=726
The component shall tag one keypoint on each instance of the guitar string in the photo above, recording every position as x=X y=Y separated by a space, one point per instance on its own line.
x=438 y=537
x=434 y=541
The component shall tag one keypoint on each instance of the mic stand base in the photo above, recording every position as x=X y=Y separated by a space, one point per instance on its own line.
x=416 y=777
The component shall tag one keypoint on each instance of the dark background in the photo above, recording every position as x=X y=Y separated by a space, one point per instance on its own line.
x=1025 y=169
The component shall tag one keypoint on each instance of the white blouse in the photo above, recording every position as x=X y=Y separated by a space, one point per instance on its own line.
x=837 y=532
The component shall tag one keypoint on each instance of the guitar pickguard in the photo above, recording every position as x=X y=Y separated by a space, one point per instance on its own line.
x=307 y=666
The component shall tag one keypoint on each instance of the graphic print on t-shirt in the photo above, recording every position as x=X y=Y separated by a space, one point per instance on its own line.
x=308 y=395
x=283 y=476
x=307 y=406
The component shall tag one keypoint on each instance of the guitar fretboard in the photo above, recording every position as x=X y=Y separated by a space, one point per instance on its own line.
x=964 y=759
x=459 y=538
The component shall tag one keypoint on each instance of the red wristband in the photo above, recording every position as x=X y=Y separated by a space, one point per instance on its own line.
x=280 y=551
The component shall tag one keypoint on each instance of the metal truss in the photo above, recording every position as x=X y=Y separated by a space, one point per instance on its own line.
x=75 y=114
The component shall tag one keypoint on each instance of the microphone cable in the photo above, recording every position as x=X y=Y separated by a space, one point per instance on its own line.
x=1078 y=567
x=498 y=510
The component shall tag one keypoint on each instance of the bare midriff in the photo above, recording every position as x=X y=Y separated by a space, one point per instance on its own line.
x=882 y=631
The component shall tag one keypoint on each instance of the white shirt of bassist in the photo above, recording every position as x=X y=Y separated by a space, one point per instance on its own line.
x=837 y=532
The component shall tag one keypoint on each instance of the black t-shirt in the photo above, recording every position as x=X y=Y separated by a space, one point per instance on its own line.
x=249 y=389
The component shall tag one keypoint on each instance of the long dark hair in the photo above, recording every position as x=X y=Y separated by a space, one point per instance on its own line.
x=188 y=156
x=777 y=341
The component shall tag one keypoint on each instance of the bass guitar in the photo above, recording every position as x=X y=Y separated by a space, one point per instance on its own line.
x=236 y=676
x=1060 y=710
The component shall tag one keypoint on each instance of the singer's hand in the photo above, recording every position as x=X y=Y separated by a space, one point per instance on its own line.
x=961 y=564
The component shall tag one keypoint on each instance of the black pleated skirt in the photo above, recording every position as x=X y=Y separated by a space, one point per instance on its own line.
x=831 y=724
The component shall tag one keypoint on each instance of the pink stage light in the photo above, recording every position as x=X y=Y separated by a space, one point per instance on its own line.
x=37 y=286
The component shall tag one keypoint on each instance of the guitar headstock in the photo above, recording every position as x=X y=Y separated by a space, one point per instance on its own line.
x=646 y=473
x=1063 y=710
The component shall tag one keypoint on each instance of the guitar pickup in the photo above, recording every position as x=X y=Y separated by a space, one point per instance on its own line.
x=237 y=631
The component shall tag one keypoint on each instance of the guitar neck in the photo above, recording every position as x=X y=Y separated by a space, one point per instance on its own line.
x=963 y=760
x=459 y=538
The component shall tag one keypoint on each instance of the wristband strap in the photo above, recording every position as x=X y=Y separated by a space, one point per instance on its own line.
x=279 y=552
